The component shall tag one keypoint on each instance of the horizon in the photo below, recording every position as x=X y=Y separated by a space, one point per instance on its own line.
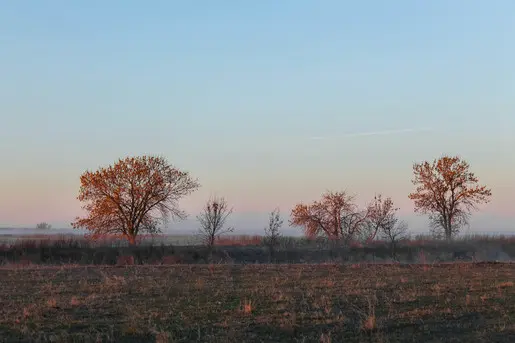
x=479 y=224
x=267 y=104
x=18 y=231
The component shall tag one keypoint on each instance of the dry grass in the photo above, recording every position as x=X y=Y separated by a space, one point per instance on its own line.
x=239 y=240
x=59 y=249
x=258 y=303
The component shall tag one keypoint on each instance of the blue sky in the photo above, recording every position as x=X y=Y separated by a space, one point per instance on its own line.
x=232 y=91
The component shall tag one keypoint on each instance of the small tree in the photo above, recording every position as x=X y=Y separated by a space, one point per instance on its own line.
x=212 y=221
x=393 y=232
x=448 y=192
x=335 y=216
x=272 y=234
x=132 y=196
x=381 y=213
x=382 y=220
x=43 y=226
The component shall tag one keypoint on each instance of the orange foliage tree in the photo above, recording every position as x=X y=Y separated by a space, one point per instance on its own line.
x=133 y=196
x=448 y=192
x=335 y=216
x=381 y=216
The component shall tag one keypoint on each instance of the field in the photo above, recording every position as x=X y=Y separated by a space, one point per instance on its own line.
x=70 y=289
x=455 y=302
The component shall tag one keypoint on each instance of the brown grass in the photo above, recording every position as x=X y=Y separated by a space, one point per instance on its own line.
x=241 y=240
x=258 y=303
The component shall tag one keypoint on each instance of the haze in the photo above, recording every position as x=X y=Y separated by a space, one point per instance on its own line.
x=235 y=92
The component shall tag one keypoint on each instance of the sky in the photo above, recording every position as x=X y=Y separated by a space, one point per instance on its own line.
x=267 y=103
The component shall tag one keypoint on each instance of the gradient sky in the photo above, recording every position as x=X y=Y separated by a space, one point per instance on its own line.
x=232 y=91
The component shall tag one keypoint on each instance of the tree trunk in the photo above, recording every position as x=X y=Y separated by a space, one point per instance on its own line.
x=132 y=240
x=448 y=228
x=271 y=253
x=393 y=250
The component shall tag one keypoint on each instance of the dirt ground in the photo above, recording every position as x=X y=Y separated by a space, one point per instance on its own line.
x=460 y=302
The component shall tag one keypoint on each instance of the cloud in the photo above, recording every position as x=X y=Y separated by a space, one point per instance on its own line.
x=371 y=133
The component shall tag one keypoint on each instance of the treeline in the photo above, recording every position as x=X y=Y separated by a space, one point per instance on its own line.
x=138 y=195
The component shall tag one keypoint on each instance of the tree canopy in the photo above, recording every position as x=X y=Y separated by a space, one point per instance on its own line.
x=133 y=196
x=335 y=215
x=448 y=192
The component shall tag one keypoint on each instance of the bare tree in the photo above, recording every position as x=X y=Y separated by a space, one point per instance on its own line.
x=382 y=220
x=272 y=234
x=381 y=213
x=335 y=216
x=393 y=232
x=212 y=220
x=43 y=226
x=448 y=192
x=134 y=195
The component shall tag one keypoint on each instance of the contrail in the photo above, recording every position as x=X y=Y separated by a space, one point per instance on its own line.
x=371 y=133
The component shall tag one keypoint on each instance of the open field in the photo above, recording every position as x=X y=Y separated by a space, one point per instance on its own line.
x=461 y=302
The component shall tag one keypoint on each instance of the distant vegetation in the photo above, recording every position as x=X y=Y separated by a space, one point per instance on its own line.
x=253 y=249
x=138 y=195
x=127 y=204
x=43 y=226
